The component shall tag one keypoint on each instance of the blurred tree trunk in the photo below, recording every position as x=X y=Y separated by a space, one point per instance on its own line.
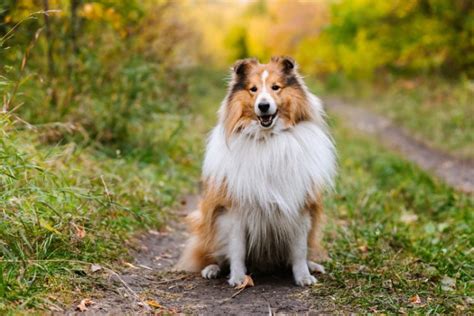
x=73 y=33
x=49 y=39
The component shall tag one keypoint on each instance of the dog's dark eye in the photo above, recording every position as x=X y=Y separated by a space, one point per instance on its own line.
x=253 y=89
x=275 y=87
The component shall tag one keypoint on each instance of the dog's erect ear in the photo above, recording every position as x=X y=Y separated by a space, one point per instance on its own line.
x=288 y=64
x=241 y=66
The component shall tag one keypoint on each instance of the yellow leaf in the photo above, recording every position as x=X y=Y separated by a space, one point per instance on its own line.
x=46 y=225
x=415 y=299
x=154 y=304
x=248 y=282
x=82 y=306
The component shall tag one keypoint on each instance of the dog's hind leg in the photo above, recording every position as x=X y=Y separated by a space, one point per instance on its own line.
x=212 y=271
x=316 y=249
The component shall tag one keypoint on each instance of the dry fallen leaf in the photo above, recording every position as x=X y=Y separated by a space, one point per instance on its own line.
x=95 y=267
x=248 y=282
x=153 y=303
x=363 y=248
x=415 y=299
x=82 y=307
x=80 y=231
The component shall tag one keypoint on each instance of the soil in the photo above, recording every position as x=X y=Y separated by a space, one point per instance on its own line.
x=153 y=280
x=456 y=172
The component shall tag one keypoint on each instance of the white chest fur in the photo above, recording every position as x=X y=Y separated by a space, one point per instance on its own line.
x=279 y=172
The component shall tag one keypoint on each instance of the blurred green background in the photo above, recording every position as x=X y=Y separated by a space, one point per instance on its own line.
x=105 y=106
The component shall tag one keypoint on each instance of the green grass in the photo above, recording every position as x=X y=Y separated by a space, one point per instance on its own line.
x=51 y=194
x=115 y=167
x=107 y=151
x=395 y=232
x=435 y=111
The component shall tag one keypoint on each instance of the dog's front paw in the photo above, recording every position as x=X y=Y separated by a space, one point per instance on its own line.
x=236 y=279
x=211 y=271
x=305 y=280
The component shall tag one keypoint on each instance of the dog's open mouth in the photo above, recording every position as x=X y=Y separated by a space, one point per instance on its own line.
x=267 y=120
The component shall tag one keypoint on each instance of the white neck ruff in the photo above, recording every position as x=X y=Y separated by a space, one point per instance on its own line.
x=278 y=172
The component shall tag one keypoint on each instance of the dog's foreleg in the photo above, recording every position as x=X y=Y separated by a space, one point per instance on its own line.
x=236 y=254
x=299 y=254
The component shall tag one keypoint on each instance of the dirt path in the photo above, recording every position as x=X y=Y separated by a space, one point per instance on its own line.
x=152 y=279
x=455 y=172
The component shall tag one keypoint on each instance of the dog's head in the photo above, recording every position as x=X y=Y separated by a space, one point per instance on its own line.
x=265 y=97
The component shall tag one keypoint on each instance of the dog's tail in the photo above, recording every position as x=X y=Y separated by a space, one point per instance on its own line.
x=193 y=258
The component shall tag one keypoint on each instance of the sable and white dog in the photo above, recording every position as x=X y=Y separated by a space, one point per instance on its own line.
x=267 y=163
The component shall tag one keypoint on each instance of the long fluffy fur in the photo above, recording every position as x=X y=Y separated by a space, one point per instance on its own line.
x=271 y=181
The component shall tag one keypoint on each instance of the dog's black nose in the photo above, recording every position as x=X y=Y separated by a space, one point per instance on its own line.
x=263 y=107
